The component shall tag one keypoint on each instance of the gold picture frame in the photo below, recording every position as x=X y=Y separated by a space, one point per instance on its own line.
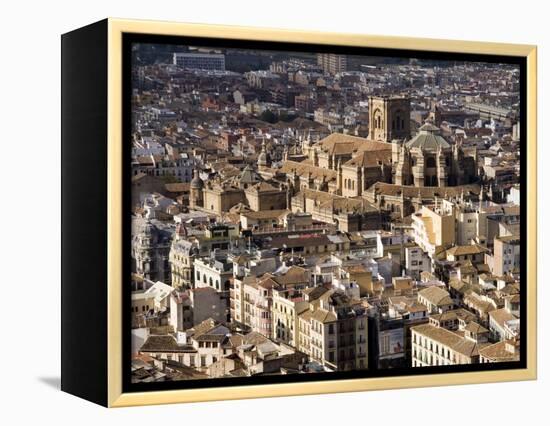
x=116 y=28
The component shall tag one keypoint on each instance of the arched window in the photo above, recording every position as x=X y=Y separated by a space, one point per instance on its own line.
x=210 y=282
x=377 y=119
x=430 y=162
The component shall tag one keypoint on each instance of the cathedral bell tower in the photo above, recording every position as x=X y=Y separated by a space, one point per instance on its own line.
x=389 y=118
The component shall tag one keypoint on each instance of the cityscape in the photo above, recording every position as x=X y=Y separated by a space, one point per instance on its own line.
x=302 y=213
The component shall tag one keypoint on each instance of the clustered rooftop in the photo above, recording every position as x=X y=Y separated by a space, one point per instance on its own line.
x=329 y=213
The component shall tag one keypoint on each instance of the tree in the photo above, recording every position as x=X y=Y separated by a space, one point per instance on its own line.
x=268 y=116
x=170 y=179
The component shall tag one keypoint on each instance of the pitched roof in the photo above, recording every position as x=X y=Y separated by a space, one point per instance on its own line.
x=469 y=249
x=303 y=169
x=265 y=214
x=500 y=316
x=177 y=187
x=294 y=275
x=341 y=144
x=203 y=327
x=164 y=343
x=424 y=191
x=370 y=159
x=263 y=187
x=453 y=314
x=474 y=327
x=500 y=351
x=324 y=316
x=448 y=338
x=436 y=296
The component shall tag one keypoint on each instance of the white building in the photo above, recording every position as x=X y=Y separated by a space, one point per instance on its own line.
x=200 y=61
x=212 y=272
x=416 y=261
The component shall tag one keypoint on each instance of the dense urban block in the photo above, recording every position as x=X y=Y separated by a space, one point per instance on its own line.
x=297 y=213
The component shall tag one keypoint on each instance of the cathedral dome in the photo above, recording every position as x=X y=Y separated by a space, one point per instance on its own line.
x=428 y=138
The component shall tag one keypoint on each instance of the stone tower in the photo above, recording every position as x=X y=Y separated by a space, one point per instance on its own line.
x=389 y=118
x=196 y=191
x=263 y=160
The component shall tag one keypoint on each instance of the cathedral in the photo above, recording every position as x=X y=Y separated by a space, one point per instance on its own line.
x=428 y=159
x=350 y=164
x=383 y=167
x=390 y=168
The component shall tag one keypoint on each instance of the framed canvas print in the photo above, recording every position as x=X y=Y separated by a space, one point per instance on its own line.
x=254 y=212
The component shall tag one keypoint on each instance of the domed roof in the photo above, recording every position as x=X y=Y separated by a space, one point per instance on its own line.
x=428 y=138
x=196 y=182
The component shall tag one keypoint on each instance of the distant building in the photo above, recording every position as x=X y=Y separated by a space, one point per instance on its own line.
x=333 y=331
x=182 y=255
x=506 y=255
x=332 y=63
x=213 y=272
x=432 y=346
x=200 y=61
x=436 y=299
x=505 y=351
x=416 y=261
x=150 y=251
x=433 y=229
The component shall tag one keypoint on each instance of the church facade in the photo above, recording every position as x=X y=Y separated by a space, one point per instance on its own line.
x=429 y=160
